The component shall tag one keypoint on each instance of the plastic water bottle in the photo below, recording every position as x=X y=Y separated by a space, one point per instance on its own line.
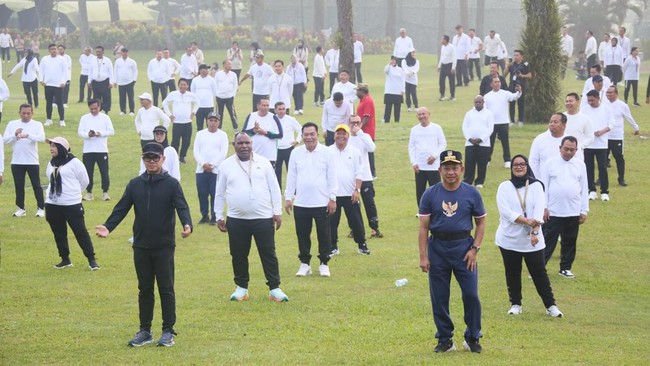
x=401 y=282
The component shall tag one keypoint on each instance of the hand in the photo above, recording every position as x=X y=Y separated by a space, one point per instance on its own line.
x=42 y=83
x=9 y=75
x=62 y=85
x=325 y=135
x=172 y=118
x=453 y=71
x=110 y=86
x=534 y=239
x=101 y=231
x=518 y=88
x=221 y=224
x=470 y=258
x=355 y=197
x=416 y=168
x=331 y=207
x=424 y=264
x=288 y=205
x=18 y=132
x=354 y=130
x=438 y=69
x=431 y=159
x=546 y=215
x=207 y=167
x=187 y=230
x=582 y=219
x=532 y=222
x=91 y=133
x=277 y=221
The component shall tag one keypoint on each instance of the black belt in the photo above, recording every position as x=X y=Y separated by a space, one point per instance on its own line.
x=441 y=235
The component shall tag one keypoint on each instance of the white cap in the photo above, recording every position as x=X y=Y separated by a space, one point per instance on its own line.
x=146 y=96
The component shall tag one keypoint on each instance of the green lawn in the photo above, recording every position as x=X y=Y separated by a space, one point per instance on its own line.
x=357 y=316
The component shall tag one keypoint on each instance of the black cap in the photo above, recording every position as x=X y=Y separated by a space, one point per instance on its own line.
x=203 y=66
x=124 y=49
x=451 y=156
x=153 y=148
x=596 y=78
x=214 y=115
x=160 y=128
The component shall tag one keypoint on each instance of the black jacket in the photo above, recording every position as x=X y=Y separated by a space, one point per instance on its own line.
x=155 y=198
x=486 y=86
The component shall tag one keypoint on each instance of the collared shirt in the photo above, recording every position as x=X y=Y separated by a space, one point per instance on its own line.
x=205 y=89
x=447 y=55
x=600 y=118
x=173 y=68
x=101 y=69
x=478 y=124
x=291 y=132
x=210 y=147
x=476 y=43
x=189 y=67
x=631 y=68
x=302 y=55
x=311 y=177
x=566 y=42
x=25 y=150
x=493 y=45
x=297 y=73
x=182 y=106
x=348 y=168
x=565 y=184
x=366 y=108
x=403 y=45
x=512 y=235
x=425 y=142
x=227 y=84
x=126 y=71
x=100 y=123
x=462 y=45
x=358 y=51
x=333 y=115
x=158 y=70
x=602 y=49
x=365 y=145
x=625 y=44
x=349 y=91
x=332 y=60
x=280 y=89
x=590 y=47
x=614 y=56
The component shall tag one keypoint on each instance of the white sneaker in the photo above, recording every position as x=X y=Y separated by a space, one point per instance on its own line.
x=304 y=270
x=334 y=252
x=20 y=213
x=567 y=273
x=62 y=123
x=506 y=165
x=408 y=109
x=88 y=197
x=65 y=106
x=48 y=122
x=122 y=113
x=131 y=114
x=300 y=112
x=324 y=270
x=296 y=112
x=593 y=195
x=130 y=240
x=240 y=294
x=278 y=295
x=106 y=197
x=40 y=213
x=316 y=104
x=554 y=312
x=520 y=124
x=479 y=186
x=515 y=310
x=511 y=124
x=604 y=196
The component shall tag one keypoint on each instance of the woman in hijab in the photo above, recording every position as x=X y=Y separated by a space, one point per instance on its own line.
x=411 y=67
x=172 y=162
x=521 y=204
x=29 y=76
x=68 y=180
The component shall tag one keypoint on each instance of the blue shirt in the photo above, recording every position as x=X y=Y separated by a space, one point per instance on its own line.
x=452 y=211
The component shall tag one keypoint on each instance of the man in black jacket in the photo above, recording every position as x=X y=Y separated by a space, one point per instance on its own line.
x=486 y=82
x=155 y=195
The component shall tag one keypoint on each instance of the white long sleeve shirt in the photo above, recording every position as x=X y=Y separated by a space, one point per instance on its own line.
x=53 y=70
x=5 y=40
x=478 y=124
x=147 y=119
x=68 y=62
x=332 y=60
x=227 y=84
x=591 y=47
x=261 y=74
x=411 y=72
x=101 y=69
x=31 y=73
x=25 y=150
x=2 y=159
x=211 y=148
x=614 y=56
x=158 y=70
x=493 y=46
x=589 y=85
x=566 y=44
x=126 y=71
x=363 y=142
x=358 y=51
x=394 y=80
x=632 y=68
x=462 y=45
x=565 y=184
x=189 y=67
x=348 y=89
x=74 y=180
x=265 y=145
x=499 y=104
x=100 y=123
x=4 y=93
x=173 y=68
x=447 y=56
x=348 y=169
x=250 y=189
x=333 y=115
x=291 y=132
x=311 y=177
x=425 y=142
x=297 y=73
x=182 y=106
x=625 y=44
x=620 y=113
x=543 y=148
x=280 y=89
x=86 y=61
x=319 y=66
x=403 y=45
x=512 y=235
x=205 y=89
x=579 y=126
x=600 y=118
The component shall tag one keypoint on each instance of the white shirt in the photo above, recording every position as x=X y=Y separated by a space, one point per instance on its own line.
x=600 y=118
x=311 y=177
x=53 y=70
x=171 y=164
x=291 y=132
x=4 y=93
x=411 y=72
x=544 y=147
x=512 y=235
x=403 y=45
x=332 y=60
x=280 y=89
x=74 y=180
x=614 y=56
x=474 y=51
x=319 y=66
x=478 y=124
x=68 y=62
x=589 y=85
x=32 y=72
x=579 y=126
x=147 y=119
x=348 y=89
x=227 y=84
x=493 y=45
x=210 y=147
x=358 y=51
x=250 y=188
x=2 y=159
x=447 y=56
x=100 y=123
x=25 y=150
x=158 y=70
x=620 y=113
x=395 y=80
x=625 y=44
x=566 y=42
x=265 y=145
x=348 y=168
x=333 y=115
x=85 y=61
x=189 y=66
x=126 y=71
x=590 y=47
x=260 y=74
x=101 y=69
x=363 y=142
x=297 y=73
x=173 y=68
x=5 y=40
x=462 y=45
x=183 y=105
x=602 y=48
x=631 y=68
x=565 y=184
x=498 y=103
x=425 y=142
x=205 y=89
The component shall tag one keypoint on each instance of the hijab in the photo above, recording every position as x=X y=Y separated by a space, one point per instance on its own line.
x=529 y=178
x=29 y=56
x=57 y=162
x=410 y=60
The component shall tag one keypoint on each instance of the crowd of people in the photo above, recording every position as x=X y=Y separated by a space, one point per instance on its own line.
x=547 y=196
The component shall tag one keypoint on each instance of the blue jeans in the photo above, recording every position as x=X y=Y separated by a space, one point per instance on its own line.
x=206 y=184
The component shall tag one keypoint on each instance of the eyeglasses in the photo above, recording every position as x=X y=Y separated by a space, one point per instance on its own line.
x=520 y=165
x=150 y=158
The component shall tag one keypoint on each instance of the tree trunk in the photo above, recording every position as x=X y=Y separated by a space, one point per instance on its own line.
x=480 y=18
x=391 y=18
x=464 y=13
x=344 y=36
x=257 y=12
x=114 y=9
x=84 y=29
x=44 y=13
x=166 y=22
x=233 y=12
x=441 y=24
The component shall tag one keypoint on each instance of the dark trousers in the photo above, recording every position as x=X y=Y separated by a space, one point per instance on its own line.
x=59 y=217
x=6 y=53
x=422 y=178
x=474 y=63
x=102 y=91
x=237 y=72
x=31 y=89
x=304 y=218
x=66 y=92
x=445 y=73
x=476 y=159
x=256 y=99
x=319 y=90
x=392 y=101
x=329 y=139
x=283 y=157
x=614 y=73
x=634 y=85
x=333 y=77
x=567 y=228
x=240 y=234
x=519 y=104
x=101 y=159
x=462 y=75
x=355 y=221
x=229 y=104
x=537 y=269
x=616 y=148
x=447 y=257
x=156 y=89
x=501 y=130
x=368 y=198
x=371 y=160
x=201 y=116
x=20 y=54
x=411 y=91
x=601 y=159
x=298 y=96
x=592 y=60
x=18 y=172
x=206 y=183
x=54 y=94
x=126 y=92
x=357 y=69
x=83 y=85
x=171 y=86
x=182 y=131
x=490 y=59
x=563 y=66
x=155 y=265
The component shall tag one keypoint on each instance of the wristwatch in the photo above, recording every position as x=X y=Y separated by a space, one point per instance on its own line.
x=358 y=190
x=535 y=232
x=475 y=248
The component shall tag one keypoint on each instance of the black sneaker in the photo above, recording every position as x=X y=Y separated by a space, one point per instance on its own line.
x=363 y=249
x=472 y=345
x=92 y=264
x=445 y=347
x=182 y=161
x=204 y=220
x=63 y=264
x=166 y=339
x=351 y=234
x=141 y=338
x=213 y=222
x=376 y=234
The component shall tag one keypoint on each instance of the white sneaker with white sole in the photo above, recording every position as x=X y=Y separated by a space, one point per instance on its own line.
x=324 y=270
x=554 y=311
x=515 y=310
x=304 y=270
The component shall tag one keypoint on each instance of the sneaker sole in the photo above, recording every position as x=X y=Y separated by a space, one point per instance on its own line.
x=93 y=268
x=239 y=299
x=325 y=275
x=140 y=344
x=565 y=276
x=66 y=266
x=552 y=316
x=272 y=298
x=14 y=215
x=165 y=344
x=362 y=252
x=466 y=346
x=303 y=275
x=452 y=349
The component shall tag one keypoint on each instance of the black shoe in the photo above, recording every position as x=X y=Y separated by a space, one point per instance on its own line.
x=472 y=345
x=213 y=222
x=363 y=249
x=609 y=164
x=445 y=347
x=182 y=161
x=141 y=338
x=351 y=234
x=166 y=339
x=92 y=264
x=622 y=183
x=65 y=262
x=204 y=220
x=376 y=234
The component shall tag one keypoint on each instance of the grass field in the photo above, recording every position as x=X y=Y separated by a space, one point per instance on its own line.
x=358 y=316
